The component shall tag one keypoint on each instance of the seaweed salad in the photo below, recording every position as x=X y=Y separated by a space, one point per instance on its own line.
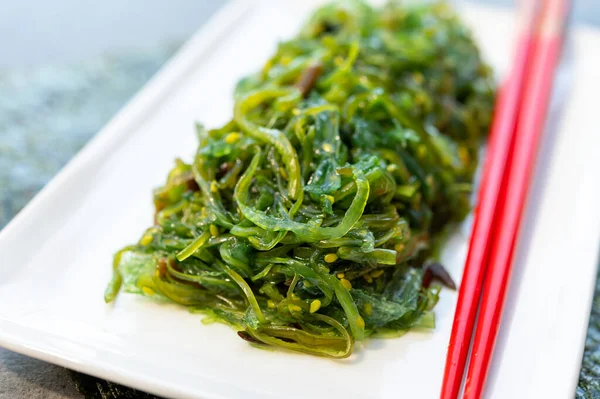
x=313 y=219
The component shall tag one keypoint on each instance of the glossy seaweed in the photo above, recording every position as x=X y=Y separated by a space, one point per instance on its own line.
x=305 y=222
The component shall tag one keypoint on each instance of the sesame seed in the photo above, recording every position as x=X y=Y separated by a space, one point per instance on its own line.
x=146 y=239
x=420 y=98
x=327 y=147
x=347 y=285
x=232 y=138
x=361 y=322
x=315 y=305
x=285 y=60
x=330 y=258
x=294 y=308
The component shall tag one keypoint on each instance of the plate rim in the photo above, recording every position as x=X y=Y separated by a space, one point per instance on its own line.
x=148 y=98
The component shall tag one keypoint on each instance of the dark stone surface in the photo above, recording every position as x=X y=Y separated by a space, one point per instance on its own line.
x=23 y=377
x=589 y=378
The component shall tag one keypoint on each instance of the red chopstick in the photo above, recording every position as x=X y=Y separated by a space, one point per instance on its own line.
x=546 y=53
x=501 y=138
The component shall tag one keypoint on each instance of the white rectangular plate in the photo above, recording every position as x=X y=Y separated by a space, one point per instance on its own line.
x=55 y=256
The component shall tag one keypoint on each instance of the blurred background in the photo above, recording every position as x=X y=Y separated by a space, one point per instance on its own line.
x=34 y=32
x=66 y=67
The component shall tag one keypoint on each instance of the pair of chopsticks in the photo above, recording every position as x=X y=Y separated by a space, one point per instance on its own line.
x=514 y=138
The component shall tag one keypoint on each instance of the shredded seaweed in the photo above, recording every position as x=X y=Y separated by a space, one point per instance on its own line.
x=306 y=222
